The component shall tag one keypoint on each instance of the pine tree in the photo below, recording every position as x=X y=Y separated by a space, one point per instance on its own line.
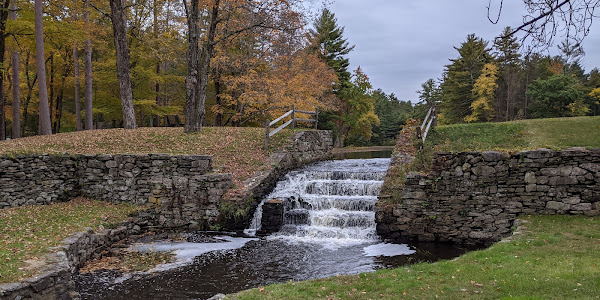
x=460 y=76
x=327 y=38
x=510 y=95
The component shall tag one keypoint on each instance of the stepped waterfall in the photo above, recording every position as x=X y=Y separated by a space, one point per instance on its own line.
x=331 y=201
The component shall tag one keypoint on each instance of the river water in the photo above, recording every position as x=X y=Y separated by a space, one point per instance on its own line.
x=329 y=230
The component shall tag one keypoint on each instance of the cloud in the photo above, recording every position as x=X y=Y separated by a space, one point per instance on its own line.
x=401 y=44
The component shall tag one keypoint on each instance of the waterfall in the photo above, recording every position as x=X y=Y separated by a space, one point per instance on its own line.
x=332 y=201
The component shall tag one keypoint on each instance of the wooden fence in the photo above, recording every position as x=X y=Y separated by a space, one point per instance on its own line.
x=292 y=122
x=429 y=121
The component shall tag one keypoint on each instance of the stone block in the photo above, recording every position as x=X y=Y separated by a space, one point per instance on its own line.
x=555 y=205
x=530 y=178
x=582 y=207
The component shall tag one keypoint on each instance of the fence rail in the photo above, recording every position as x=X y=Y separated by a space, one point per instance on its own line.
x=429 y=121
x=269 y=133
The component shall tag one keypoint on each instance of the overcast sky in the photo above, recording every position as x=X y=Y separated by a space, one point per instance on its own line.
x=401 y=44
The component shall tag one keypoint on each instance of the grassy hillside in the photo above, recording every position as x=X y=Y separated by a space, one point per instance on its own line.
x=26 y=232
x=554 y=257
x=235 y=150
x=557 y=133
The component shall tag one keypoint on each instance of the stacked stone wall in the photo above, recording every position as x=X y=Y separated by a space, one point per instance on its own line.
x=473 y=197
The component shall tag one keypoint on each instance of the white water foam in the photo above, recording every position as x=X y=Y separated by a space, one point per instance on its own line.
x=185 y=252
x=385 y=249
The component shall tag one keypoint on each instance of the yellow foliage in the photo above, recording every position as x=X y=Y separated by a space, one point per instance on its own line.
x=484 y=89
x=595 y=93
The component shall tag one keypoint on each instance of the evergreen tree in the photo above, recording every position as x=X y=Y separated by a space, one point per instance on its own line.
x=557 y=96
x=459 y=78
x=430 y=92
x=509 y=101
x=327 y=38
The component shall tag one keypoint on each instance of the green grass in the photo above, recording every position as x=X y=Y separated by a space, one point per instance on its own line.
x=557 y=133
x=555 y=257
x=27 y=232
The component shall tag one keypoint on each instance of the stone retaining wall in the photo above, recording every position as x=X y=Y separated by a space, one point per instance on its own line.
x=475 y=197
x=55 y=280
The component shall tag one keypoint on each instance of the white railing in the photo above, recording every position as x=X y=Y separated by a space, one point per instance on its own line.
x=269 y=133
x=429 y=121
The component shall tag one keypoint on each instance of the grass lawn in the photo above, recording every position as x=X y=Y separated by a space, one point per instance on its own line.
x=236 y=150
x=27 y=232
x=556 y=133
x=554 y=257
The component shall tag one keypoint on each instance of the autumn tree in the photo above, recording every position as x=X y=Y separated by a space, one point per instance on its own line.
x=484 y=89
x=459 y=78
x=260 y=14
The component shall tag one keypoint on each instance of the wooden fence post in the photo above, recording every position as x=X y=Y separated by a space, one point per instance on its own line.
x=293 y=116
x=267 y=129
x=316 y=117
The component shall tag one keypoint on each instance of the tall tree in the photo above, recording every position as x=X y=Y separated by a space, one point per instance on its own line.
x=510 y=92
x=198 y=65
x=45 y=127
x=327 y=38
x=76 y=94
x=119 y=23
x=3 y=17
x=459 y=78
x=126 y=94
x=356 y=115
x=483 y=90
x=16 y=101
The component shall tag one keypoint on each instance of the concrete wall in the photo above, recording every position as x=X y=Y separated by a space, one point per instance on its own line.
x=474 y=197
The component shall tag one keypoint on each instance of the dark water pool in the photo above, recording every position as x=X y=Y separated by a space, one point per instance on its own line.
x=258 y=263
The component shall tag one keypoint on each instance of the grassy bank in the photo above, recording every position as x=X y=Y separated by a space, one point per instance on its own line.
x=27 y=232
x=556 y=133
x=553 y=257
x=235 y=150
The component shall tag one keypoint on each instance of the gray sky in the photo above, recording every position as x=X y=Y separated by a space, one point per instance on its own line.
x=401 y=44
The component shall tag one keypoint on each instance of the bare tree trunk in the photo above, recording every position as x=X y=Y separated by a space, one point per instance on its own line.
x=45 y=126
x=51 y=97
x=198 y=67
x=3 y=17
x=77 y=88
x=191 y=80
x=218 y=90
x=120 y=32
x=16 y=102
x=89 y=118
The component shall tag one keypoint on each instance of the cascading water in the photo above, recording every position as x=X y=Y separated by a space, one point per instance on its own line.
x=330 y=201
x=329 y=230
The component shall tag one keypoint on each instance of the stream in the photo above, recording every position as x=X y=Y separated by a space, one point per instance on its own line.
x=329 y=230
